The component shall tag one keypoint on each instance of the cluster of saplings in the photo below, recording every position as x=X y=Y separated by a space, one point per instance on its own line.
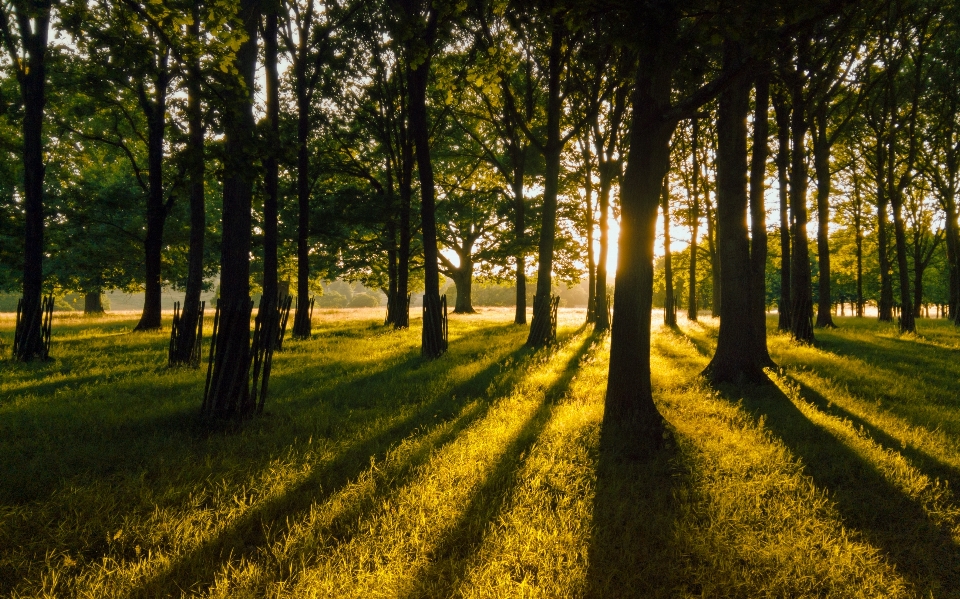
x=165 y=142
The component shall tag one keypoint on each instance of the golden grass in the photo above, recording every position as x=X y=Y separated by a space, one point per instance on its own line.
x=482 y=474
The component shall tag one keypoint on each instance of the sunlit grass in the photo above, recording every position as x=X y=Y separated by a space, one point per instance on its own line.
x=485 y=473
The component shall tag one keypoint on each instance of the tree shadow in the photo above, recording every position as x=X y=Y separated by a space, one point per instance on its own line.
x=198 y=568
x=453 y=555
x=899 y=355
x=633 y=550
x=887 y=518
x=918 y=458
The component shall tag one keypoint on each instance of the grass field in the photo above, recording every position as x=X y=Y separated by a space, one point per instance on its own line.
x=377 y=474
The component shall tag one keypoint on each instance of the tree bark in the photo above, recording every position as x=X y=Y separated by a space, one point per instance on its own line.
x=782 y=113
x=821 y=161
x=758 y=215
x=669 y=315
x=33 y=81
x=540 y=331
x=858 y=240
x=519 y=233
x=198 y=217
x=302 y=325
x=737 y=358
x=433 y=344
x=694 y=223
x=907 y=322
x=270 y=164
x=229 y=394
x=629 y=410
x=93 y=302
x=588 y=219
x=801 y=309
x=463 y=281
x=156 y=112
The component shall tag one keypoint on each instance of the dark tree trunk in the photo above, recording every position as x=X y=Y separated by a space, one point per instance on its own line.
x=433 y=344
x=858 y=239
x=669 y=314
x=801 y=309
x=393 y=299
x=737 y=358
x=588 y=218
x=885 y=305
x=271 y=167
x=629 y=409
x=821 y=161
x=602 y=321
x=758 y=215
x=907 y=322
x=782 y=112
x=715 y=299
x=694 y=223
x=93 y=302
x=540 y=330
x=952 y=247
x=519 y=233
x=406 y=233
x=918 y=268
x=302 y=325
x=463 y=281
x=229 y=394
x=608 y=169
x=198 y=217
x=33 y=92
x=156 y=111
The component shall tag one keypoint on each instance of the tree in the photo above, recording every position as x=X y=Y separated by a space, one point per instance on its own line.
x=229 y=394
x=24 y=27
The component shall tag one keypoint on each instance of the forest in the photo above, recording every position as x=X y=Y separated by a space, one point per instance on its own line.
x=557 y=298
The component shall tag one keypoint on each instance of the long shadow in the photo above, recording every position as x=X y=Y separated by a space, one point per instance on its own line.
x=452 y=556
x=632 y=550
x=899 y=356
x=198 y=568
x=924 y=462
x=885 y=516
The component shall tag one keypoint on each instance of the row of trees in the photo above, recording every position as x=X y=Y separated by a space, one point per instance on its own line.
x=307 y=139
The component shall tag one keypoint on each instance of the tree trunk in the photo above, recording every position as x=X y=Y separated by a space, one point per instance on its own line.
x=229 y=393
x=541 y=332
x=694 y=224
x=629 y=409
x=907 y=323
x=198 y=217
x=737 y=358
x=463 y=281
x=821 y=161
x=591 y=259
x=156 y=111
x=302 y=325
x=602 y=309
x=33 y=92
x=271 y=167
x=801 y=309
x=782 y=112
x=758 y=216
x=406 y=194
x=93 y=302
x=433 y=344
x=669 y=315
x=714 y=261
x=858 y=239
x=519 y=233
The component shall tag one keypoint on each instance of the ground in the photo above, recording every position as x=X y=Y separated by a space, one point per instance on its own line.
x=375 y=473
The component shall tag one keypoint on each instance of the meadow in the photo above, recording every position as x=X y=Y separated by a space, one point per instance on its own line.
x=375 y=473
